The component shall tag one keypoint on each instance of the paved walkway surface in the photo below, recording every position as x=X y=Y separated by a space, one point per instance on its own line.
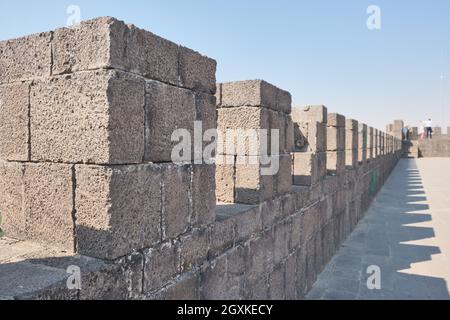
x=406 y=233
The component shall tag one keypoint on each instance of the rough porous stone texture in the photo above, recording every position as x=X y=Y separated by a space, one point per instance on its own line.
x=118 y=209
x=310 y=114
x=110 y=43
x=25 y=58
x=167 y=108
x=256 y=93
x=14 y=120
x=92 y=117
x=12 y=199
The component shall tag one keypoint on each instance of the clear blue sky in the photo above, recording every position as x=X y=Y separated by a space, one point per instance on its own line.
x=321 y=51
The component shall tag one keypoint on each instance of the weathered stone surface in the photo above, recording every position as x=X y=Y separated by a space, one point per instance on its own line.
x=260 y=257
x=310 y=137
x=222 y=235
x=162 y=263
x=25 y=58
x=240 y=133
x=370 y=143
x=277 y=121
x=218 y=283
x=276 y=280
x=362 y=142
x=167 y=109
x=197 y=72
x=281 y=235
x=336 y=120
x=203 y=194
x=270 y=212
x=335 y=139
x=118 y=209
x=14 y=132
x=310 y=114
x=255 y=93
x=290 y=135
x=91 y=117
x=87 y=46
x=11 y=199
x=194 y=248
x=48 y=204
x=351 y=124
x=109 y=43
x=252 y=185
x=205 y=105
x=283 y=178
x=309 y=168
x=247 y=223
x=225 y=177
x=184 y=288
x=36 y=202
x=177 y=199
x=336 y=162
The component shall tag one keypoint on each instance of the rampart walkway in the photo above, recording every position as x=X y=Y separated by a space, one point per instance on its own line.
x=405 y=233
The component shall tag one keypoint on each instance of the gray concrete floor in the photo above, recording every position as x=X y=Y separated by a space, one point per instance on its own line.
x=406 y=233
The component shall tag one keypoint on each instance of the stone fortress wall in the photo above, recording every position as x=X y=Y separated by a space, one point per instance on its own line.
x=86 y=173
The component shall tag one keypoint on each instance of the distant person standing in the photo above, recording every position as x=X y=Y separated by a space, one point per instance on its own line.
x=421 y=131
x=405 y=133
x=429 y=128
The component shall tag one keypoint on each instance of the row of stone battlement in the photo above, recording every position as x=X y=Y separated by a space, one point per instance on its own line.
x=396 y=129
x=87 y=167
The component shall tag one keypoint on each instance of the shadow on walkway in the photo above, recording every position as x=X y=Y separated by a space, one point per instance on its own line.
x=380 y=240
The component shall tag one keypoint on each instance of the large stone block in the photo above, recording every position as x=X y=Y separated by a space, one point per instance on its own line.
x=14 y=120
x=370 y=142
x=283 y=178
x=277 y=122
x=25 y=58
x=239 y=130
x=90 y=117
x=261 y=256
x=194 y=248
x=162 y=264
x=351 y=134
x=205 y=105
x=290 y=135
x=309 y=168
x=336 y=120
x=197 y=72
x=255 y=93
x=48 y=204
x=12 y=199
x=310 y=137
x=167 y=108
x=335 y=139
x=336 y=162
x=177 y=198
x=36 y=203
x=310 y=114
x=203 y=194
x=251 y=185
x=362 y=142
x=351 y=158
x=225 y=178
x=109 y=43
x=118 y=209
